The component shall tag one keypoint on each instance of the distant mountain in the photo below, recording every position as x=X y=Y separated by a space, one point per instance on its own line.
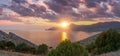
x=102 y=26
x=14 y=38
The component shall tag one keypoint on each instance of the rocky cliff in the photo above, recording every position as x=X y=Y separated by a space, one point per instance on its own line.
x=14 y=38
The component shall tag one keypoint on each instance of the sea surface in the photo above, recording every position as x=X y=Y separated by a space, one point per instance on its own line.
x=51 y=38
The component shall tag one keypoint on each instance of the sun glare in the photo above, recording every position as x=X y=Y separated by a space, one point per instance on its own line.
x=64 y=24
x=64 y=36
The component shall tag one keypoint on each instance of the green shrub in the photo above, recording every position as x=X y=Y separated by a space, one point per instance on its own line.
x=42 y=49
x=106 y=42
x=7 y=45
x=24 y=48
x=3 y=44
x=10 y=45
x=67 y=48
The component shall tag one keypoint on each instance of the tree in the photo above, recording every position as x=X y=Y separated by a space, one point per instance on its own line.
x=106 y=42
x=66 y=48
x=2 y=44
x=24 y=48
x=42 y=49
x=10 y=45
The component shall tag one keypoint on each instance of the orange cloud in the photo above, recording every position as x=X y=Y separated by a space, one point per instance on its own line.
x=7 y=22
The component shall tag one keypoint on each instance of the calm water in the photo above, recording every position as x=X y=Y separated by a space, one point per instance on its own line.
x=51 y=38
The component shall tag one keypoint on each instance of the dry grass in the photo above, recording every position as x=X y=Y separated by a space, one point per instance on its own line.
x=8 y=53
x=116 y=53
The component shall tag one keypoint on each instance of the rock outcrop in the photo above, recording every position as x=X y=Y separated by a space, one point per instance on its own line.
x=14 y=38
x=3 y=36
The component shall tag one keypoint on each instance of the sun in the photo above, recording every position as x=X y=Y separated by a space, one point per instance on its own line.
x=64 y=24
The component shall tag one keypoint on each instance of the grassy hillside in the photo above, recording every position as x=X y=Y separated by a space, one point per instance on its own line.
x=9 y=53
x=88 y=40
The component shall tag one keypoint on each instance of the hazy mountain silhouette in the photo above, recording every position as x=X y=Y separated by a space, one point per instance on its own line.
x=102 y=26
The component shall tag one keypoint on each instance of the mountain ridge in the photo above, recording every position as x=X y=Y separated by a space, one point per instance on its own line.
x=102 y=26
x=14 y=38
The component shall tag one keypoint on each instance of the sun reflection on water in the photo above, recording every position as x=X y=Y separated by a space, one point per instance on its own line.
x=65 y=36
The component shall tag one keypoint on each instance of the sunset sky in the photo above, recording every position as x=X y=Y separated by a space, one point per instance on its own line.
x=40 y=14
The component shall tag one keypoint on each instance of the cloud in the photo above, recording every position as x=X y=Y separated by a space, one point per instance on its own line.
x=86 y=8
x=5 y=2
x=20 y=1
x=7 y=22
x=73 y=9
x=10 y=18
x=60 y=6
x=33 y=9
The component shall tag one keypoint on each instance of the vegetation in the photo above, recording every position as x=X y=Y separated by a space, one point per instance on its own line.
x=106 y=42
x=2 y=44
x=67 y=48
x=24 y=48
x=42 y=49
x=10 y=45
x=7 y=45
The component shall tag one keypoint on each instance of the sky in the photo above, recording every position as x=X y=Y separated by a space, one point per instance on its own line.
x=34 y=14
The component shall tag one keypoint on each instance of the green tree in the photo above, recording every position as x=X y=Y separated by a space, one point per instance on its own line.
x=66 y=48
x=42 y=49
x=10 y=45
x=24 y=48
x=2 y=44
x=106 y=42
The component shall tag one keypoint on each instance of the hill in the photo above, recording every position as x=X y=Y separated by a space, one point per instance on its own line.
x=103 y=44
x=102 y=26
x=14 y=38
x=8 y=53
x=88 y=40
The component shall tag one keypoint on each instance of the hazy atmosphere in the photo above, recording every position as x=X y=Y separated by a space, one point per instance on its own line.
x=58 y=22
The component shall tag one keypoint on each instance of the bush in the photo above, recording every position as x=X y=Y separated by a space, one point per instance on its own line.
x=10 y=45
x=67 y=48
x=7 y=45
x=106 y=42
x=2 y=44
x=42 y=49
x=24 y=48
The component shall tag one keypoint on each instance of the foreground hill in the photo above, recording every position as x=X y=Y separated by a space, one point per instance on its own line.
x=88 y=40
x=14 y=38
x=116 y=53
x=104 y=44
x=8 y=53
